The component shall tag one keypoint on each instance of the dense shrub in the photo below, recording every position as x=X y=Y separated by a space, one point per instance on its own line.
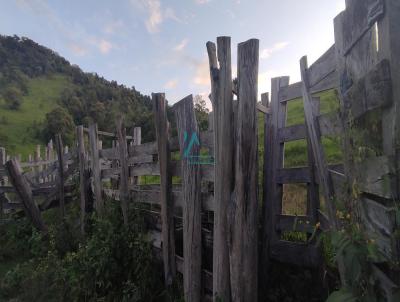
x=113 y=263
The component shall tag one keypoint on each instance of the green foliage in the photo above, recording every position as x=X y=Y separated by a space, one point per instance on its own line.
x=358 y=253
x=202 y=112
x=13 y=98
x=59 y=121
x=113 y=262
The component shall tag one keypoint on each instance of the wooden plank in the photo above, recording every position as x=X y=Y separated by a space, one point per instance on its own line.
x=330 y=124
x=296 y=253
x=124 y=173
x=186 y=123
x=312 y=186
x=294 y=223
x=293 y=91
x=167 y=204
x=105 y=133
x=324 y=66
x=264 y=259
x=291 y=133
x=243 y=215
x=377 y=176
x=82 y=176
x=24 y=192
x=293 y=175
x=314 y=135
x=59 y=147
x=110 y=153
x=95 y=167
x=221 y=97
x=372 y=91
x=153 y=197
x=275 y=161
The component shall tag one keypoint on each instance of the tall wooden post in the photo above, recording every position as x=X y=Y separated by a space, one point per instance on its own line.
x=187 y=128
x=243 y=210
x=37 y=160
x=137 y=140
x=95 y=167
x=82 y=175
x=60 y=155
x=167 y=207
x=265 y=187
x=222 y=98
x=124 y=170
x=2 y=178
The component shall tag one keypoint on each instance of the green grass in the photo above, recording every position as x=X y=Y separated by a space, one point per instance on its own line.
x=43 y=95
x=296 y=151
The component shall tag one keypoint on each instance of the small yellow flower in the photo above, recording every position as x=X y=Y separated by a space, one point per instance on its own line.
x=318 y=225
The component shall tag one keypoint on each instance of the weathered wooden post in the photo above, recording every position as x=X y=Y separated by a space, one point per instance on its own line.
x=82 y=175
x=24 y=192
x=37 y=161
x=2 y=178
x=221 y=97
x=189 y=145
x=243 y=210
x=167 y=206
x=60 y=156
x=95 y=167
x=137 y=140
x=124 y=169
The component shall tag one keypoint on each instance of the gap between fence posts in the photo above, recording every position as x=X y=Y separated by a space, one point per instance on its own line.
x=243 y=216
x=187 y=127
x=221 y=98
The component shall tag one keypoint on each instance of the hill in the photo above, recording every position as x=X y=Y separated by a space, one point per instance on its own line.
x=41 y=93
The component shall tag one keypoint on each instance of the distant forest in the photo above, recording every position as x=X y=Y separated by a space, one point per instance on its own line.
x=88 y=97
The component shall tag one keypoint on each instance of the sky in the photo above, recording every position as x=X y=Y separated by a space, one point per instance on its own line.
x=160 y=45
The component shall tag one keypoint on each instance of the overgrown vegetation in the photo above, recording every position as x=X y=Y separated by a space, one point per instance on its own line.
x=112 y=263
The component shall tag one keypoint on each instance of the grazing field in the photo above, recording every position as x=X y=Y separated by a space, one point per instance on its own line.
x=17 y=130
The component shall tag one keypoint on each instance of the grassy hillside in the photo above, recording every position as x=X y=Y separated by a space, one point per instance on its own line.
x=17 y=126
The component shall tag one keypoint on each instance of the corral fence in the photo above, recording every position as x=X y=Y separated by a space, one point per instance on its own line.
x=205 y=214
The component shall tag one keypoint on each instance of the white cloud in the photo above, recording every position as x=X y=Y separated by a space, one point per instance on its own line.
x=267 y=52
x=202 y=1
x=202 y=74
x=181 y=46
x=104 y=46
x=155 y=14
x=77 y=49
x=112 y=27
x=171 y=84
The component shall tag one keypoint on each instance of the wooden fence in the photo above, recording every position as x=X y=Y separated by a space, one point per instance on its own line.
x=212 y=207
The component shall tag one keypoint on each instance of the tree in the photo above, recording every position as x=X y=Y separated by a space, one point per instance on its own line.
x=13 y=98
x=59 y=121
x=200 y=107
